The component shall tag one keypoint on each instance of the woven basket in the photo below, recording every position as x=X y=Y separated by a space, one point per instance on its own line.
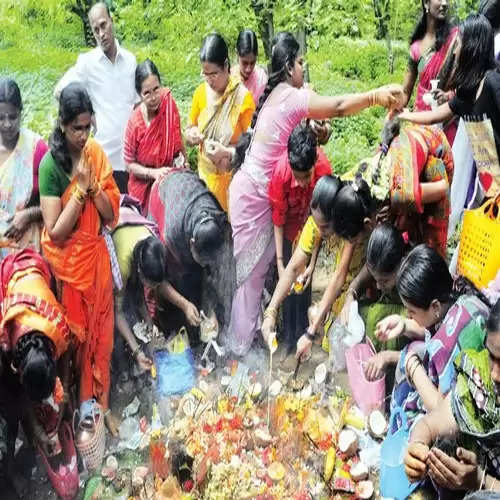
x=92 y=450
x=479 y=253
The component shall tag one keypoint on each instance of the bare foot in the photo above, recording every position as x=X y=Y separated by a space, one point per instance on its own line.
x=112 y=423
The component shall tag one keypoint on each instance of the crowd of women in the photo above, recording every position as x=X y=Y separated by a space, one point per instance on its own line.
x=79 y=260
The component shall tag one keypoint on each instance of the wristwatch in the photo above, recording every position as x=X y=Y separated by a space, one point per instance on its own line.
x=310 y=335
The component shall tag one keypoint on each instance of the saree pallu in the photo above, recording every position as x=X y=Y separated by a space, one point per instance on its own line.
x=435 y=65
x=82 y=266
x=474 y=405
x=462 y=328
x=152 y=146
x=421 y=154
x=223 y=120
x=254 y=251
x=19 y=186
x=28 y=303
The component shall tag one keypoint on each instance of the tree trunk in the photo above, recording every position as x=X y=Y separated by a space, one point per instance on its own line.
x=382 y=16
x=302 y=39
x=263 y=10
x=381 y=9
x=81 y=9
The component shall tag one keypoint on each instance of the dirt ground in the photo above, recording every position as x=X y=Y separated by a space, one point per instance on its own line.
x=33 y=482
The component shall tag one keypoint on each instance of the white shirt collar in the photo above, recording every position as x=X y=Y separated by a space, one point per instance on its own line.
x=118 y=51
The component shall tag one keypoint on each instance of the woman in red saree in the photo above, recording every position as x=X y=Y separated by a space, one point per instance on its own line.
x=153 y=137
x=78 y=197
x=432 y=57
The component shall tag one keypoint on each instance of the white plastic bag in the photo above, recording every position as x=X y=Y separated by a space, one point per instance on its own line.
x=341 y=338
x=463 y=161
x=355 y=326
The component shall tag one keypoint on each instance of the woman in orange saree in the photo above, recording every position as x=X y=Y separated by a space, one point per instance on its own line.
x=78 y=198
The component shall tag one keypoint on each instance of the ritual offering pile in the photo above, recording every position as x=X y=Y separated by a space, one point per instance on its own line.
x=244 y=438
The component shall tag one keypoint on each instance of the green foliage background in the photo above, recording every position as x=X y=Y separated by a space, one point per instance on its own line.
x=40 y=39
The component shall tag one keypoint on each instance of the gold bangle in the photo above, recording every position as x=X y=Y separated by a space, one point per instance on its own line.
x=79 y=194
x=270 y=312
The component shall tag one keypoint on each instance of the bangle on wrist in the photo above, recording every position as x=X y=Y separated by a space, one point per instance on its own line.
x=136 y=352
x=79 y=194
x=279 y=258
x=270 y=312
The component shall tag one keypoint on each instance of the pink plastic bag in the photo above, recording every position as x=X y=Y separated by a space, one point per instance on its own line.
x=369 y=395
x=65 y=479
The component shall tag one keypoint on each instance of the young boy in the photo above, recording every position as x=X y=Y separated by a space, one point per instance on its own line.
x=290 y=191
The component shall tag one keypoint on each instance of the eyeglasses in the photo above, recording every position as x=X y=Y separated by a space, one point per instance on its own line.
x=210 y=76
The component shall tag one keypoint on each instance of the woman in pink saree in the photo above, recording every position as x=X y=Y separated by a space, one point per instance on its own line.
x=432 y=56
x=282 y=106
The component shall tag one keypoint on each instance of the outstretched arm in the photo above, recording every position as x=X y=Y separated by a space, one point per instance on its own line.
x=321 y=107
x=442 y=113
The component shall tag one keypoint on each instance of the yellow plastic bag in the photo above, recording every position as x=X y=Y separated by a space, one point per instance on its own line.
x=179 y=343
x=479 y=253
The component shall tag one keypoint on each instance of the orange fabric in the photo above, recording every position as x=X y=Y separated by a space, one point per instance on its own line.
x=28 y=303
x=82 y=265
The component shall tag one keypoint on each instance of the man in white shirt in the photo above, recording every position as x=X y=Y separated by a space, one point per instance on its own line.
x=108 y=74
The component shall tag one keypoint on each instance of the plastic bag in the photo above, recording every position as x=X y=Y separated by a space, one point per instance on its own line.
x=341 y=338
x=175 y=372
x=464 y=162
x=336 y=335
x=356 y=326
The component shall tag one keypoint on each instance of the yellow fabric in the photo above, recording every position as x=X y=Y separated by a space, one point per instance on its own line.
x=310 y=237
x=125 y=239
x=31 y=282
x=335 y=247
x=203 y=108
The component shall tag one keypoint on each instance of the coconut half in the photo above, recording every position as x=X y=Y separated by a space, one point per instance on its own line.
x=275 y=388
x=320 y=373
x=377 y=424
x=364 y=490
x=225 y=380
x=359 y=471
x=348 y=442
x=255 y=389
x=276 y=471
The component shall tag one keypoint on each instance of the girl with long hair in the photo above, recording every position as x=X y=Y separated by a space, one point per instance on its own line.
x=432 y=55
x=477 y=84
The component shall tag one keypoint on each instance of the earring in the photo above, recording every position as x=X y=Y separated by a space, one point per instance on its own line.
x=427 y=10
